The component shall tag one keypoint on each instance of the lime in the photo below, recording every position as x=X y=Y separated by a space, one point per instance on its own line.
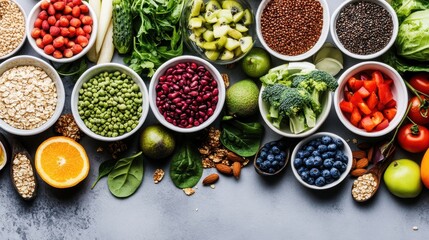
x=242 y=98
x=256 y=63
x=157 y=142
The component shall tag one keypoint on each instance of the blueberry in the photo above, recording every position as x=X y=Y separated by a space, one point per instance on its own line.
x=259 y=160
x=275 y=164
x=344 y=159
x=337 y=164
x=320 y=181
x=332 y=147
x=316 y=153
x=328 y=163
x=265 y=148
x=301 y=170
x=325 y=155
x=281 y=163
x=270 y=157
x=314 y=172
x=317 y=161
x=307 y=153
x=343 y=167
x=275 y=150
x=271 y=170
x=329 y=180
x=326 y=140
x=274 y=143
x=310 y=180
x=339 y=142
x=263 y=154
x=300 y=154
x=309 y=148
x=283 y=154
x=335 y=173
x=331 y=154
x=313 y=143
x=297 y=162
x=322 y=148
x=305 y=175
x=263 y=166
x=278 y=157
x=326 y=173
x=309 y=162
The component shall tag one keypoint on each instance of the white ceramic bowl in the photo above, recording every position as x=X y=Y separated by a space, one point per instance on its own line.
x=285 y=130
x=309 y=53
x=399 y=91
x=4 y=151
x=172 y=63
x=346 y=149
x=30 y=25
x=23 y=37
x=94 y=71
x=25 y=60
x=334 y=35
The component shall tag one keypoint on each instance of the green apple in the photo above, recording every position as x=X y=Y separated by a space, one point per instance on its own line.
x=402 y=178
x=256 y=63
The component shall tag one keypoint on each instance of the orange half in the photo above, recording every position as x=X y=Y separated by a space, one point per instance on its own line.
x=61 y=162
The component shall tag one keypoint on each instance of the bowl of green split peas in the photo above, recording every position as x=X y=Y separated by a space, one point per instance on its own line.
x=109 y=102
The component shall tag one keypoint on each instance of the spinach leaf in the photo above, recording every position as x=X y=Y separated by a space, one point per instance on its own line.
x=126 y=176
x=103 y=170
x=242 y=138
x=73 y=69
x=186 y=167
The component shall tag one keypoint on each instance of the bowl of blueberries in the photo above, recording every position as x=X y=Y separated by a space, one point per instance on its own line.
x=272 y=158
x=321 y=161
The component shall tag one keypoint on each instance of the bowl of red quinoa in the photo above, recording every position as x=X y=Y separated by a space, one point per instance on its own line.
x=31 y=95
x=186 y=94
x=364 y=29
x=292 y=30
x=12 y=23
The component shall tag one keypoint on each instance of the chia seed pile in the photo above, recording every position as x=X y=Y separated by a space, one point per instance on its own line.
x=364 y=27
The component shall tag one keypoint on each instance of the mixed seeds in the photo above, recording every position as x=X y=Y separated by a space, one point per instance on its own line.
x=364 y=27
x=12 y=25
x=292 y=27
x=23 y=176
x=363 y=187
x=28 y=97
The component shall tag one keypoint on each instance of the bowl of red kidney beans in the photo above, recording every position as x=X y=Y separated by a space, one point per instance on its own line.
x=186 y=94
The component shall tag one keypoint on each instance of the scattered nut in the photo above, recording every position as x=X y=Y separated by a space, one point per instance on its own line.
x=225 y=78
x=210 y=179
x=67 y=126
x=100 y=149
x=158 y=175
x=224 y=169
x=358 y=172
x=359 y=154
x=362 y=163
x=236 y=169
x=117 y=148
x=189 y=191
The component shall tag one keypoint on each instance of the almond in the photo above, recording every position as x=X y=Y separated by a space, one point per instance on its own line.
x=224 y=169
x=364 y=145
x=362 y=163
x=358 y=172
x=359 y=154
x=354 y=163
x=370 y=154
x=234 y=157
x=236 y=169
x=210 y=179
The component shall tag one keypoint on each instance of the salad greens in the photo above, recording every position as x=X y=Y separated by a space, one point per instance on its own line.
x=242 y=138
x=186 y=167
x=157 y=34
x=103 y=170
x=404 y=8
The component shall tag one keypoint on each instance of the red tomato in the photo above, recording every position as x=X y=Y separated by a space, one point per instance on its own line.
x=420 y=82
x=413 y=138
x=418 y=112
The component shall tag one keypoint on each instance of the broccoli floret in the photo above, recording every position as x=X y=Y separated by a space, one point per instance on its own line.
x=316 y=83
x=291 y=103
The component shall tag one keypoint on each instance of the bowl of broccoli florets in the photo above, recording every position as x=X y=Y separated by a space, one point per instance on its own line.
x=295 y=98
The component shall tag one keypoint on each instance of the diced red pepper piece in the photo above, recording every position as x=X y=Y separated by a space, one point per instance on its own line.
x=384 y=93
x=354 y=84
x=384 y=124
x=377 y=76
x=356 y=99
x=388 y=82
x=377 y=117
x=370 y=85
x=367 y=123
x=355 y=117
x=363 y=92
x=390 y=113
x=372 y=100
x=364 y=108
x=346 y=106
x=347 y=95
x=391 y=104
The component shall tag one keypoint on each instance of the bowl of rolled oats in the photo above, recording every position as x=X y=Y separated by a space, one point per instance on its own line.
x=12 y=22
x=31 y=95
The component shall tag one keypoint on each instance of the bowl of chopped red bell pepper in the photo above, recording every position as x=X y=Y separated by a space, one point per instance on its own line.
x=371 y=99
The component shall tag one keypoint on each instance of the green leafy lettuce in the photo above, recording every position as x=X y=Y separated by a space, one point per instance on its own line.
x=404 y=8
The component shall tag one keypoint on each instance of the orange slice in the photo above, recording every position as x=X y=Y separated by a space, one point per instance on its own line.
x=61 y=162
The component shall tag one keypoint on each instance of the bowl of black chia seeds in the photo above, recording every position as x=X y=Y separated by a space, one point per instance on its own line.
x=292 y=30
x=109 y=102
x=364 y=29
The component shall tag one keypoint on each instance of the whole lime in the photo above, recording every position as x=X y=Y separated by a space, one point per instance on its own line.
x=256 y=63
x=242 y=98
x=157 y=142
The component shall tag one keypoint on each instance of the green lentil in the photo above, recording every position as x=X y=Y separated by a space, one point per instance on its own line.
x=110 y=104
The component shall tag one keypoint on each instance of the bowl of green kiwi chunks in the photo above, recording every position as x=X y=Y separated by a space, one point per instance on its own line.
x=220 y=31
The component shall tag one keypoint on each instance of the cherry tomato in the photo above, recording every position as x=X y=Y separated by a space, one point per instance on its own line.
x=413 y=138
x=419 y=113
x=420 y=82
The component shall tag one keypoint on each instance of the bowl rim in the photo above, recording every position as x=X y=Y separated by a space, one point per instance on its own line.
x=96 y=69
x=338 y=43
x=319 y=121
x=25 y=33
x=347 y=150
x=53 y=74
x=399 y=85
x=29 y=26
x=193 y=47
x=322 y=38
x=172 y=62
